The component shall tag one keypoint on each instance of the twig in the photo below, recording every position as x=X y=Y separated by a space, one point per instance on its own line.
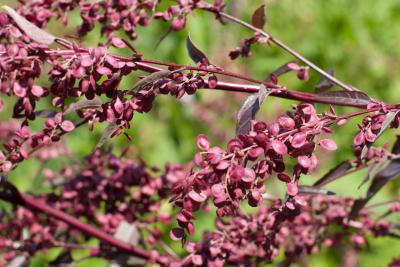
x=286 y=48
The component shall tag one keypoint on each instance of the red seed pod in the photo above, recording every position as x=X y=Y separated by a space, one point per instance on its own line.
x=298 y=140
x=212 y=81
x=176 y=234
x=274 y=129
x=197 y=260
x=3 y=19
x=255 y=153
x=118 y=42
x=19 y=90
x=314 y=162
x=370 y=136
x=118 y=106
x=86 y=61
x=223 y=165
x=254 y=197
x=359 y=139
x=218 y=190
x=202 y=142
x=286 y=122
x=234 y=144
x=67 y=126
x=304 y=161
x=341 y=122
x=249 y=175
x=260 y=126
x=328 y=144
x=292 y=189
x=37 y=91
x=261 y=139
x=302 y=74
x=236 y=173
x=198 y=197
x=279 y=147
x=284 y=177
x=178 y=23
x=307 y=109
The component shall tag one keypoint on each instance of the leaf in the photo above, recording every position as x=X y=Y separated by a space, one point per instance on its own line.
x=364 y=151
x=249 y=110
x=83 y=104
x=311 y=190
x=151 y=78
x=127 y=233
x=195 y=54
x=390 y=172
x=259 y=18
x=282 y=70
x=351 y=98
x=110 y=129
x=18 y=261
x=130 y=234
x=324 y=84
x=45 y=113
x=373 y=170
x=35 y=33
x=391 y=115
x=334 y=174
x=9 y=192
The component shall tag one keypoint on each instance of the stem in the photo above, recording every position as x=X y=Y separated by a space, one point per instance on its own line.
x=286 y=48
x=40 y=206
x=383 y=203
x=281 y=92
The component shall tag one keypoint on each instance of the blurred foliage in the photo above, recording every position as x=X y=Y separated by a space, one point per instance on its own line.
x=359 y=40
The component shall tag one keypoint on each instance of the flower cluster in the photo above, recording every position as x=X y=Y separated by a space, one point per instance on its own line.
x=113 y=15
x=248 y=239
x=239 y=172
x=109 y=194
x=102 y=194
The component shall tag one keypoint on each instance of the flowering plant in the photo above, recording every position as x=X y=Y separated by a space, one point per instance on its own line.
x=122 y=202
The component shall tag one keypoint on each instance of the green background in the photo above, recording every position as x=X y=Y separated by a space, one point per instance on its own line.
x=360 y=40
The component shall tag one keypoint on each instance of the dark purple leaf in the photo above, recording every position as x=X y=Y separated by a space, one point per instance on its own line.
x=373 y=170
x=108 y=131
x=324 y=84
x=195 y=54
x=35 y=33
x=311 y=190
x=353 y=98
x=151 y=78
x=386 y=123
x=249 y=110
x=83 y=104
x=390 y=116
x=9 y=192
x=333 y=174
x=259 y=18
x=390 y=172
x=45 y=113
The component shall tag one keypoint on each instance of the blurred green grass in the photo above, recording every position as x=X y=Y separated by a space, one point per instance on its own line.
x=358 y=39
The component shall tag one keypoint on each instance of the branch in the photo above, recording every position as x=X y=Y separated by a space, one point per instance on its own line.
x=39 y=206
x=279 y=91
x=286 y=48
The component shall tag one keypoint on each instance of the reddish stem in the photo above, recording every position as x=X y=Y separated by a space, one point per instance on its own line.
x=40 y=206
x=226 y=86
x=286 y=48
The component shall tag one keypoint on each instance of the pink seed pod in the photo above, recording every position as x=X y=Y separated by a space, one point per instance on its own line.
x=279 y=147
x=202 y=142
x=328 y=144
x=298 y=140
